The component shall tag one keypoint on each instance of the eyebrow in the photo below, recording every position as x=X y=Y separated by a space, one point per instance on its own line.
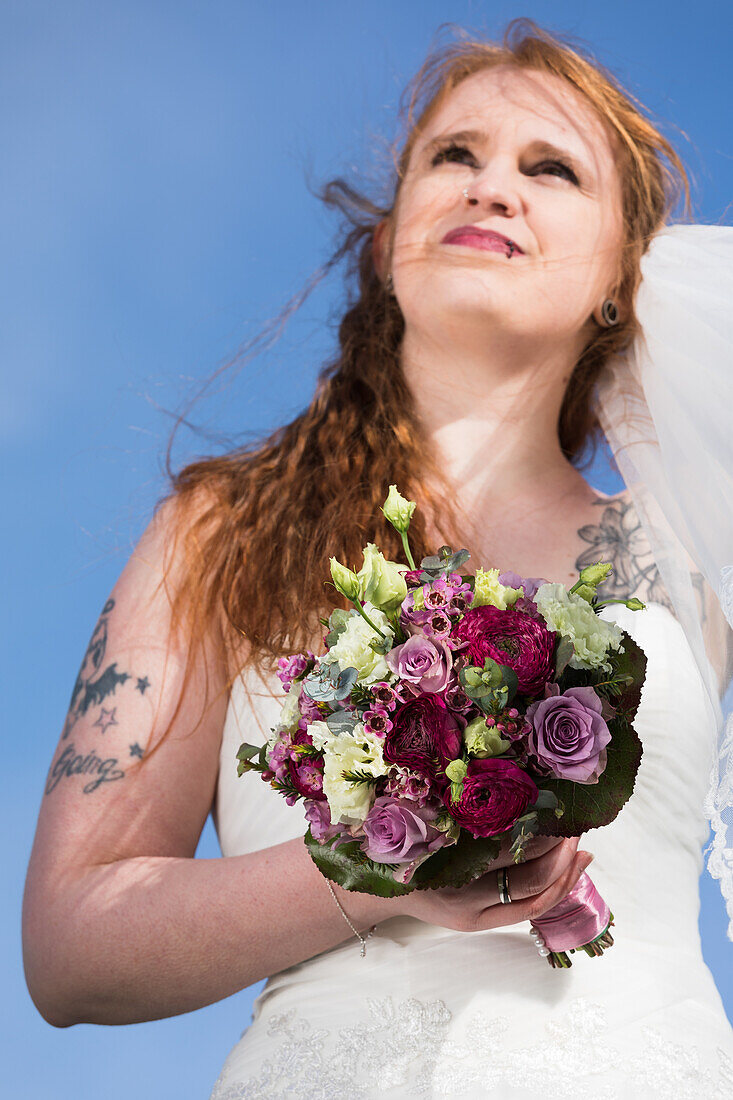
x=542 y=147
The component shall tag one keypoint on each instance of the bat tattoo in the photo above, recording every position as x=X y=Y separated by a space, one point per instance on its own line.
x=96 y=683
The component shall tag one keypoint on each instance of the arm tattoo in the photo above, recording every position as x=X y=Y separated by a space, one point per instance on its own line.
x=95 y=684
x=72 y=763
x=93 y=687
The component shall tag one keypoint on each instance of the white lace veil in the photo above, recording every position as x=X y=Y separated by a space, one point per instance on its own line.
x=666 y=407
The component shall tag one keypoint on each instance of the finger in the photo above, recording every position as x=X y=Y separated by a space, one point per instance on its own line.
x=528 y=878
x=496 y=916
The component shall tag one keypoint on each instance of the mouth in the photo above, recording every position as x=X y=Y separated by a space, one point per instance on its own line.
x=487 y=240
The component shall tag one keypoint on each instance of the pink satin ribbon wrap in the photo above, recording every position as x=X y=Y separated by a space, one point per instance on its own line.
x=580 y=917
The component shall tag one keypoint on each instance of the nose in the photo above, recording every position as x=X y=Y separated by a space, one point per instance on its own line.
x=493 y=190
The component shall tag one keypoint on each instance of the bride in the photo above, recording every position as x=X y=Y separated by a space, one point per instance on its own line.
x=492 y=289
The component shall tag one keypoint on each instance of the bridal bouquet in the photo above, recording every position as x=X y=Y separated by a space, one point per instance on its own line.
x=450 y=711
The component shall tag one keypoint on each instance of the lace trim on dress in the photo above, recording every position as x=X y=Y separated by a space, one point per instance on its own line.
x=407 y=1047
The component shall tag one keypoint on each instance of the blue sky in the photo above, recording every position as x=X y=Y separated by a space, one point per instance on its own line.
x=154 y=213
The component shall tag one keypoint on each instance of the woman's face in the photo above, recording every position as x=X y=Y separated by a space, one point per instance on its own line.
x=566 y=221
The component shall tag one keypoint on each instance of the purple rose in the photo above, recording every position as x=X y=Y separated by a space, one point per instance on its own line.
x=423 y=662
x=399 y=831
x=569 y=735
x=319 y=817
x=513 y=580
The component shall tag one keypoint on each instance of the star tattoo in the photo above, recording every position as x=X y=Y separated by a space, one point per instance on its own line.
x=142 y=684
x=135 y=750
x=107 y=719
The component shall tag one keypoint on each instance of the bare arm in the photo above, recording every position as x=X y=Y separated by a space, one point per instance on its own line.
x=155 y=936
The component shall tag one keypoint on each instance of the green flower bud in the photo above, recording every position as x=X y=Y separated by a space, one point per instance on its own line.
x=456 y=771
x=585 y=592
x=346 y=580
x=635 y=605
x=398 y=510
x=594 y=575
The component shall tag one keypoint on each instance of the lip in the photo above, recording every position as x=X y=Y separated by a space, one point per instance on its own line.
x=487 y=239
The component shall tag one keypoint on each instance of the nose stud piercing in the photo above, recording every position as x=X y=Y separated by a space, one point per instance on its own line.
x=511 y=243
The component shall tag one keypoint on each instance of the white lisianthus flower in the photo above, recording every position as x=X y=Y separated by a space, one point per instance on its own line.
x=574 y=618
x=356 y=751
x=320 y=734
x=482 y=740
x=381 y=581
x=488 y=590
x=351 y=649
x=289 y=714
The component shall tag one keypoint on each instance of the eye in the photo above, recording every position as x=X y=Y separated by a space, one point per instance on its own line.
x=456 y=153
x=565 y=169
x=448 y=151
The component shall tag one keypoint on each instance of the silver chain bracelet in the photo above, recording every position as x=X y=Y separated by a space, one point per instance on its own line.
x=356 y=932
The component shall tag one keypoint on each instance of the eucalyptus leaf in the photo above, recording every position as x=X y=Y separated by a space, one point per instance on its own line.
x=563 y=653
x=338 y=620
x=437 y=565
x=341 y=721
x=546 y=800
x=330 y=684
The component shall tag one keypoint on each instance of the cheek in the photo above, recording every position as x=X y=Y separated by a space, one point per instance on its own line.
x=581 y=263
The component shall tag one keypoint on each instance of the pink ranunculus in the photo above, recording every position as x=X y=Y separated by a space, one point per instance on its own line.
x=399 y=831
x=495 y=793
x=423 y=661
x=511 y=638
x=569 y=734
x=425 y=736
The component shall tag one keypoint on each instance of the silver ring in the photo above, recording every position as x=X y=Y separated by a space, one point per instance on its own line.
x=502 y=878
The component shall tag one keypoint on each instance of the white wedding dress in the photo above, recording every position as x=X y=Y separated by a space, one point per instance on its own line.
x=431 y=1012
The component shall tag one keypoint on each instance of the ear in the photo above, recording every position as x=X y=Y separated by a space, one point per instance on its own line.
x=620 y=306
x=379 y=245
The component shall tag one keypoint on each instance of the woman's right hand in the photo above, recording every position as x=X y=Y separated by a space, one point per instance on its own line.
x=548 y=874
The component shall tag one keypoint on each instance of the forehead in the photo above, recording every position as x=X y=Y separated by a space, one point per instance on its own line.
x=525 y=104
